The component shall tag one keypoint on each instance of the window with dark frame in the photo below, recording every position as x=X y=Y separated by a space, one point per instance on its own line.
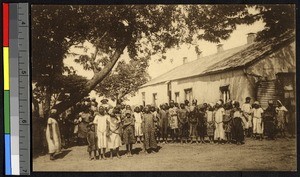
x=144 y=98
x=188 y=94
x=225 y=93
x=177 y=97
x=154 y=99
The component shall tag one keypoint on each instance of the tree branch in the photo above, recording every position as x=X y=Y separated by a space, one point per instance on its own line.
x=98 y=77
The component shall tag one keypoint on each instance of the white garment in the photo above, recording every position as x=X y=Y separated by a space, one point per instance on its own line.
x=114 y=139
x=219 y=131
x=137 y=117
x=247 y=110
x=54 y=143
x=138 y=124
x=101 y=122
x=257 y=121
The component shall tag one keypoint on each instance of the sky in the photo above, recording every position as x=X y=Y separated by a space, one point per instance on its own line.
x=174 y=57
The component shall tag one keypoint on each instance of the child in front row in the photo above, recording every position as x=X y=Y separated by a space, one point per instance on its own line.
x=92 y=141
x=138 y=124
x=128 y=132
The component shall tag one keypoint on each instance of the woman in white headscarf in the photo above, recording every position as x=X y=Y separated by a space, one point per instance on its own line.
x=282 y=120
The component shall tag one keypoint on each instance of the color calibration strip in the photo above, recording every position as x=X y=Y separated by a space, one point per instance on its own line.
x=7 y=135
x=16 y=88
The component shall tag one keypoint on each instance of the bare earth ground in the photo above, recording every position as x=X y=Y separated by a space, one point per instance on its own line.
x=279 y=155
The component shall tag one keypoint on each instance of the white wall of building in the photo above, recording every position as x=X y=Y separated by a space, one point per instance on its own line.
x=204 y=89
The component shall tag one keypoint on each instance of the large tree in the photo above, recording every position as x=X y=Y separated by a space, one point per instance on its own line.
x=144 y=30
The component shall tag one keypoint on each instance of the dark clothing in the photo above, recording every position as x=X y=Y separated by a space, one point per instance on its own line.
x=237 y=129
x=149 y=131
x=193 y=122
x=202 y=124
x=183 y=123
x=269 y=122
x=92 y=141
x=163 y=123
x=128 y=131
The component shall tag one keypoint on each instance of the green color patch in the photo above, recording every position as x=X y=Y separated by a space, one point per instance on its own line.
x=6 y=112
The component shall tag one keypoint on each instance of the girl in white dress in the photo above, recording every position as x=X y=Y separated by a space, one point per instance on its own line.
x=101 y=123
x=138 y=124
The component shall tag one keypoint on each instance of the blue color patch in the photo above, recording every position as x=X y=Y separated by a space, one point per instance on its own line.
x=7 y=155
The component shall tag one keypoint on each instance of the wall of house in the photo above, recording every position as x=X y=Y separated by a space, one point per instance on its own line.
x=206 y=89
x=159 y=89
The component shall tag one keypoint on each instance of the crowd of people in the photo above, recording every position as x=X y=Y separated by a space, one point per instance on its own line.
x=104 y=127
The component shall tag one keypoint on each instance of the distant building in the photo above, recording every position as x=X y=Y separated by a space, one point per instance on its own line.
x=262 y=70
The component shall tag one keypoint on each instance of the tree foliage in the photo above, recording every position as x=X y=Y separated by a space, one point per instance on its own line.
x=144 y=30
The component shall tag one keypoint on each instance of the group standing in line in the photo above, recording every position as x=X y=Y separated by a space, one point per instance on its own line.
x=104 y=127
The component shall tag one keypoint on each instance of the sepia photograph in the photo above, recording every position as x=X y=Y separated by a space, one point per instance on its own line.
x=163 y=87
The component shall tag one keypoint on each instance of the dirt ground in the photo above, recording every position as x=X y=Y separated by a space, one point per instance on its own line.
x=254 y=155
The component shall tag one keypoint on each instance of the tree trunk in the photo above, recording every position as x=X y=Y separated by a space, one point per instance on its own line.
x=91 y=84
x=47 y=106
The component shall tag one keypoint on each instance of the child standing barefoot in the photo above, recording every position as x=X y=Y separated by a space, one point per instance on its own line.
x=128 y=132
x=150 y=143
x=257 y=120
x=219 y=117
x=202 y=123
x=92 y=141
x=228 y=121
x=173 y=117
x=183 y=123
x=237 y=128
x=114 y=139
x=101 y=123
x=138 y=124
x=210 y=122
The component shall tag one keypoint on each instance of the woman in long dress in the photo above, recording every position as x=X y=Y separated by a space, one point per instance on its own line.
x=149 y=131
x=237 y=124
x=53 y=135
x=82 y=126
x=114 y=138
x=281 y=112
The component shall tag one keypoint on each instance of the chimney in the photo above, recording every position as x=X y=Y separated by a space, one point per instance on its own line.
x=198 y=52
x=220 y=48
x=184 y=60
x=250 y=38
x=199 y=55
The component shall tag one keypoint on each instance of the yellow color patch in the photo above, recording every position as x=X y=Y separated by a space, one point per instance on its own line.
x=6 y=67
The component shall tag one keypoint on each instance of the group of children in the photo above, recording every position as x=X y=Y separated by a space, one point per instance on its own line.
x=107 y=128
x=111 y=128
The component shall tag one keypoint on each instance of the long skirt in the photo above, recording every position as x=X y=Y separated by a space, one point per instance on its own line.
x=164 y=128
x=54 y=143
x=149 y=137
x=201 y=130
x=128 y=135
x=270 y=129
x=114 y=141
x=183 y=130
x=193 y=130
x=210 y=129
x=237 y=130
x=219 y=131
